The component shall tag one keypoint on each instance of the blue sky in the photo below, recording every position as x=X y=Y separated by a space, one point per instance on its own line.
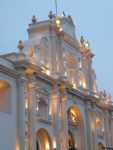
x=93 y=20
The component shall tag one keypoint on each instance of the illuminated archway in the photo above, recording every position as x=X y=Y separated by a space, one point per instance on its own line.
x=5 y=96
x=43 y=141
x=75 y=126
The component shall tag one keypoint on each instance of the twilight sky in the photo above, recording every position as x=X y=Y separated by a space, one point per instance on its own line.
x=93 y=20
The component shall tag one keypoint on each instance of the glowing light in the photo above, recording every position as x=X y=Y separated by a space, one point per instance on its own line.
x=48 y=72
x=54 y=144
x=60 y=29
x=29 y=71
x=74 y=86
x=47 y=146
x=3 y=85
x=80 y=83
x=65 y=73
x=84 y=84
x=74 y=116
x=72 y=111
x=50 y=111
x=46 y=69
x=37 y=108
x=17 y=145
x=97 y=96
x=58 y=22
x=97 y=120
x=26 y=104
x=58 y=25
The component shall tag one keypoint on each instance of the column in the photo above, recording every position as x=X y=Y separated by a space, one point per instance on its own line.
x=91 y=131
x=21 y=83
x=30 y=116
x=63 y=115
x=106 y=118
x=111 y=117
x=55 y=116
x=33 y=113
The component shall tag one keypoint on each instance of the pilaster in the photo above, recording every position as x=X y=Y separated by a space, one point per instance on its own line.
x=21 y=112
x=63 y=116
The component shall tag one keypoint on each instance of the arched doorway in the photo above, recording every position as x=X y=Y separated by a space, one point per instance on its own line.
x=43 y=141
x=101 y=146
x=75 y=126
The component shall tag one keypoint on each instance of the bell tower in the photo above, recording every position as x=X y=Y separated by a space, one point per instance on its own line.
x=52 y=45
x=46 y=40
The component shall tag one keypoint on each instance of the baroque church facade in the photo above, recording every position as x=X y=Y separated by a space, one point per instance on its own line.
x=48 y=94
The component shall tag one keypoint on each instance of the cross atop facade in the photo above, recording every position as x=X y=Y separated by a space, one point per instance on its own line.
x=56 y=6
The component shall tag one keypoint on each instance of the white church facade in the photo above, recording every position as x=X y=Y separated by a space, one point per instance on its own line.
x=48 y=94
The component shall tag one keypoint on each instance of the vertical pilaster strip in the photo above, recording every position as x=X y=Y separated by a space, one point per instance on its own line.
x=87 y=113
x=29 y=75
x=106 y=129
x=21 y=112
x=91 y=127
x=55 y=115
x=111 y=129
x=64 y=127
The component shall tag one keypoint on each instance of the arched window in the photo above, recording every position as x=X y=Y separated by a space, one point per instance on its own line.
x=43 y=140
x=82 y=80
x=69 y=66
x=73 y=116
x=100 y=126
x=44 y=53
x=43 y=109
x=5 y=96
x=76 y=126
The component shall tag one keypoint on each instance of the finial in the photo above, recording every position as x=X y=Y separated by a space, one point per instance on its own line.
x=20 y=45
x=34 y=19
x=87 y=44
x=82 y=40
x=70 y=19
x=63 y=13
x=104 y=93
x=51 y=15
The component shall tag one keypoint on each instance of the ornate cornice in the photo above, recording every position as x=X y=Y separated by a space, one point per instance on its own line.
x=92 y=99
x=10 y=72
x=37 y=71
